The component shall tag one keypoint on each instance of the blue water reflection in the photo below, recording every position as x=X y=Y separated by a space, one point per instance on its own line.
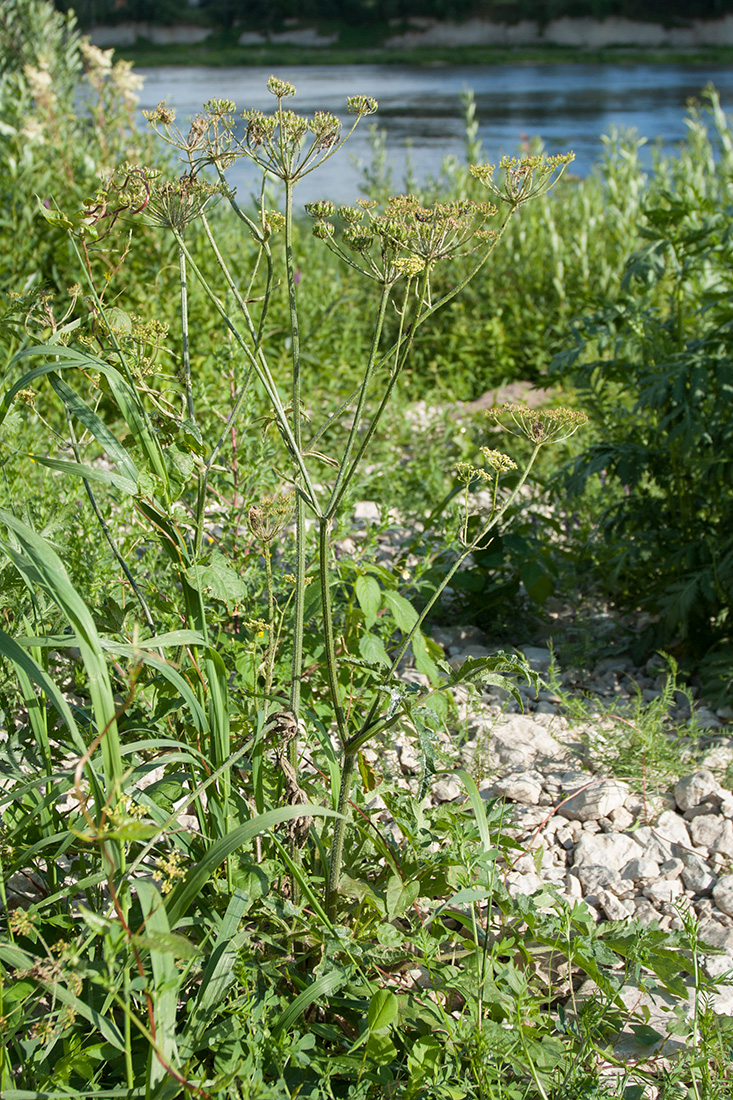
x=567 y=106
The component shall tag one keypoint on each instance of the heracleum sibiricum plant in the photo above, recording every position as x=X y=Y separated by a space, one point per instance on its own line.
x=397 y=249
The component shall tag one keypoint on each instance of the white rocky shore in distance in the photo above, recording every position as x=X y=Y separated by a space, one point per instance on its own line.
x=585 y=33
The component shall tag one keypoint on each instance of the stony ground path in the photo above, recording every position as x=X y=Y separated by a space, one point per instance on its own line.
x=631 y=849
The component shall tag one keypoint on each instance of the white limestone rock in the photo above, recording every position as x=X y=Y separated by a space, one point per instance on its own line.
x=447 y=790
x=663 y=891
x=660 y=841
x=723 y=894
x=724 y=844
x=612 y=850
x=642 y=871
x=596 y=801
x=613 y=907
x=695 y=789
x=518 y=740
x=706 y=830
x=517 y=884
x=696 y=876
x=520 y=786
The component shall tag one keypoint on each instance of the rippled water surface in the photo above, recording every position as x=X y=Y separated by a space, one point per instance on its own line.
x=567 y=106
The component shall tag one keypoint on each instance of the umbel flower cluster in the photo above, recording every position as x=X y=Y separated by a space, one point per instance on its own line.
x=134 y=189
x=284 y=144
x=524 y=178
x=538 y=425
x=407 y=238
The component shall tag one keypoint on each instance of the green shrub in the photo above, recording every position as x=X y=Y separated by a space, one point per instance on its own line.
x=654 y=369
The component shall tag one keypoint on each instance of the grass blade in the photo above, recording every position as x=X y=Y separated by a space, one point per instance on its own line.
x=329 y=983
x=183 y=895
x=479 y=808
x=41 y=568
x=164 y=991
x=89 y=473
x=86 y=416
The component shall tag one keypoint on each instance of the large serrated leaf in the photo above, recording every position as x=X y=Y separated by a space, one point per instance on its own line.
x=403 y=613
x=371 y=647
x=369 y=595
x=216 y=578
x=494 y=671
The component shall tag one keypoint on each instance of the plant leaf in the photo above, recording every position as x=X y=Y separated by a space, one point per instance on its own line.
x=369 y=595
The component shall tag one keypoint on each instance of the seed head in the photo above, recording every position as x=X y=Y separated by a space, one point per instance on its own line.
x=358 y=239
x=540 y=426
x=326 y=128
x=498 y=461
x=466 y=472
x=524 y=177
x=176 y=203
x=280 y=88
x=220 y=108
x=162 y=113
x=409 y=265
x=323 y=208
x=260 y=128
x=269 y=517
x=361 y=105
x=351 y=215
x=274 y=221
x=324 y=230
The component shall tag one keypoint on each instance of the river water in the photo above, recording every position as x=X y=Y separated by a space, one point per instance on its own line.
x=567 y=106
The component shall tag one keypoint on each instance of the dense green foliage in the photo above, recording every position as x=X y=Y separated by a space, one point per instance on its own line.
x=210 y=882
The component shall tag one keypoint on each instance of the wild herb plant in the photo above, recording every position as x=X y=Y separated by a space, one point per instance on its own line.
x=183 y=918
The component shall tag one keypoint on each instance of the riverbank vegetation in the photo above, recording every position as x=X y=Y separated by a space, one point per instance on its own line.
x=359 y=46
x=273 y=14
x=216 y=413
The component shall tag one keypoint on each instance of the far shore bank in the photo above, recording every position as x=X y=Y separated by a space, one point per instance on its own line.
x=220 y=53
x=425 y=42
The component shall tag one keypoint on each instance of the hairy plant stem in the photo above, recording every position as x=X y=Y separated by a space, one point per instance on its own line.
x=372 y=725
x=300 y=531
x=345 y=475
x=185 y=346
x=270 y=661
x=337 y=849
x=328 y=638
x=261 y=369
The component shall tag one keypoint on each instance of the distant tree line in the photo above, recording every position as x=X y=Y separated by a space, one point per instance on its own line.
x=264 y=14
